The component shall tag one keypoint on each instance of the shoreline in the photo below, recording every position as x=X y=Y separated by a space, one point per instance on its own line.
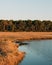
x=9 y=53
x=14 y=55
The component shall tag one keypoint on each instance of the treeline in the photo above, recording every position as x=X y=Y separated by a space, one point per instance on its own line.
x=25 y=25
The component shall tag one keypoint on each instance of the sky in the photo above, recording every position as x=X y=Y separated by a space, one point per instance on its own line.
x=26 y=9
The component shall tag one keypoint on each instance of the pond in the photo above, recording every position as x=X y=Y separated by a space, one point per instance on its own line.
x=38 y=52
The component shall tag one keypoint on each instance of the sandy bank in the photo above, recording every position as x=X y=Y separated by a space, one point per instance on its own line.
x=26 y=35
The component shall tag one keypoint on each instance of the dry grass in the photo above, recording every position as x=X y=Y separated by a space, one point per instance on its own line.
x=26 y=35
x=9 y=53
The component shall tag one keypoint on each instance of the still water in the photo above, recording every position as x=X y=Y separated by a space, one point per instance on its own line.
x=37 y=52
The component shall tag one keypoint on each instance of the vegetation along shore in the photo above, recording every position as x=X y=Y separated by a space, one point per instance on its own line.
x=25 y=25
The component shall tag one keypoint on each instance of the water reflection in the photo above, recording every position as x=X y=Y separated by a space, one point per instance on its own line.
x=37 y=53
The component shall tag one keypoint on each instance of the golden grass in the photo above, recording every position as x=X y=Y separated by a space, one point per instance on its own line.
x=9 y=53
x=26 y=35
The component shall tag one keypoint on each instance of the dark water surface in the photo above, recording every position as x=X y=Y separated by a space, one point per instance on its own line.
x=37 y=52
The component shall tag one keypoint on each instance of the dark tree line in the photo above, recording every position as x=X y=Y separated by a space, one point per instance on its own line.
x=25 y=25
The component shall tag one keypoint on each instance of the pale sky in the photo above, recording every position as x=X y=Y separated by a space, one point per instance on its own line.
x=26 y=9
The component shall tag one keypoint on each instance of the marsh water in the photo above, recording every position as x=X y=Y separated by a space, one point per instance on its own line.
x=38 y=52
